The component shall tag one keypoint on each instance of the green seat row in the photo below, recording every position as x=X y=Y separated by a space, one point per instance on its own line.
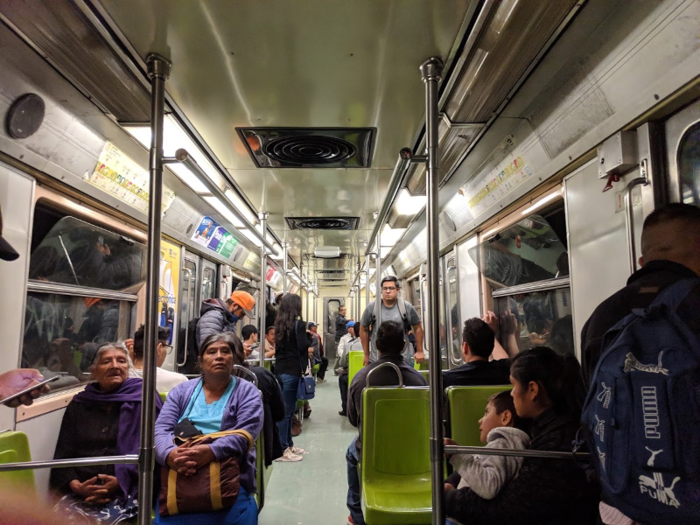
x=395 y=473
x=14 y=448
x=356 y=359
x=465 y=408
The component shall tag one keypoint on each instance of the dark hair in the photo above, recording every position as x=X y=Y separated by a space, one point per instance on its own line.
x=288 y=313
x=247 y=331
x=560 y=378
x=504 y=401
x=479 y=336
x=231 y=340
x=390 y=338
x=267 y=330
x=561 y=336
x=163 y=334
x=674 y=212
x=391 y=278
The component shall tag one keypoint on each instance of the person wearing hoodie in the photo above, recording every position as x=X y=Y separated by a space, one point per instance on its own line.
x=218 y=316
x=500 y=428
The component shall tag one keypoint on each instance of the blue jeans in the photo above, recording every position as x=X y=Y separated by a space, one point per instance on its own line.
x=289 y=384
x=354 y=497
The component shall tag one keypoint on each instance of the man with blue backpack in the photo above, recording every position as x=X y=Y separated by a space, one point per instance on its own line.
x=641 y=360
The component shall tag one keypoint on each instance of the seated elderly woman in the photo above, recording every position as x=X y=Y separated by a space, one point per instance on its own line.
x=215 y=402
x=103 y=420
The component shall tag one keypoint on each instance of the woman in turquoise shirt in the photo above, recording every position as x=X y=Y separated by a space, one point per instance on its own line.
x=216 y=401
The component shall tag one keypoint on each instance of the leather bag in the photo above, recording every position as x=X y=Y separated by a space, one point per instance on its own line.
x=213 y=487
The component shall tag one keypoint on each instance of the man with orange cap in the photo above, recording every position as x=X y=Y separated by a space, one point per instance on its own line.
x=217 y=315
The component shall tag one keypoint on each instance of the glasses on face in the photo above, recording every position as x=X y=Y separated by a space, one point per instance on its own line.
x=169 y=348
x=388 y=288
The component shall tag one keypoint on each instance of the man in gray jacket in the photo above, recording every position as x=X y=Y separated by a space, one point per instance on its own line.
x=217 y=315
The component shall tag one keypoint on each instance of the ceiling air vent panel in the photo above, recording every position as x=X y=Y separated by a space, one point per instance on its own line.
x=322 y=223
x=309 y=147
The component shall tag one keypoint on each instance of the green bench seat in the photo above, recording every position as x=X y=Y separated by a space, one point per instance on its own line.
x=14 y=448
x=356 y=360
x=395 y=473
x=466 y=406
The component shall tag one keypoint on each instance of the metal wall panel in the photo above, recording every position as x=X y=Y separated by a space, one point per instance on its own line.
x=598 y=251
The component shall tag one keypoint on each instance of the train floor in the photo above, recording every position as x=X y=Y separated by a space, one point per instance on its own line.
x=313 y=491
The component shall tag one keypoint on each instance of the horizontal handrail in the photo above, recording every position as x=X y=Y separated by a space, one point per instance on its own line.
x=516 y=452
x=127 y=459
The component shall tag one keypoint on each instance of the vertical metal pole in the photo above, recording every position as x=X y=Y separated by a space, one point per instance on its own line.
x=263 y=289
x=285 y=268
x=378 y=276
x=307 y=291
x=158 y=72
x=431 y=70
x=367 y=283
x=315 y=305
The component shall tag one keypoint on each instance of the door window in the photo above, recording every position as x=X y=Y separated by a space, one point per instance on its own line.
x=332 y=308
x=689 y=165
x=455 y=336
x=208 y=283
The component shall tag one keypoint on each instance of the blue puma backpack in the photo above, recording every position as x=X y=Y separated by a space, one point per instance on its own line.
x=643 y=414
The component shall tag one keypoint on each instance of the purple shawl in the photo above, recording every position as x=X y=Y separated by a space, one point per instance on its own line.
x=129 y=395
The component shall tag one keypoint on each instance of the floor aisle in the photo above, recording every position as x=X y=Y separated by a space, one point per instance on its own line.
x=312 y=491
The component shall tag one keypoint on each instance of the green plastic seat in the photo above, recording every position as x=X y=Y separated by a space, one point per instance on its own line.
x=395 y=470
x=14 y=447
x=356 y=360
x=420 y=366
x=466 y=406
x=426 y=375
x=163 y=395
x=262 y=474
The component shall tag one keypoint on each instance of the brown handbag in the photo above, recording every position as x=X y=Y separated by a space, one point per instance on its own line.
x=213 y=487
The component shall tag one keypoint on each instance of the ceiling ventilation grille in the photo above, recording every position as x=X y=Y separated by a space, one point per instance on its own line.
x=322 y=223
x=309 y=147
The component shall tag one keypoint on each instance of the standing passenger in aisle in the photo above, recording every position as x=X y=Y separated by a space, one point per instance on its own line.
x=292 y=353
x=390 y=310
x=390 y=343
x=348 y=343
x=340 y=324
x=319 y=358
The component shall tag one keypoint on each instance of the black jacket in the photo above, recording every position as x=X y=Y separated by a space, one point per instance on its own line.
x=546 y=491
x=642 y=288
x=341 y=327
x=292 y=353
x=273 y=405
x=215 y=318
x=477 y=373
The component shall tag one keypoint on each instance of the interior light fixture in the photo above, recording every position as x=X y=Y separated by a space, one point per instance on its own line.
x=407 y=204
x=390 y=236
x=541 y=202
x=251 y=237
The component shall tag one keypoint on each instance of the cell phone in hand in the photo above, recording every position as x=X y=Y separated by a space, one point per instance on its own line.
x=29 y=389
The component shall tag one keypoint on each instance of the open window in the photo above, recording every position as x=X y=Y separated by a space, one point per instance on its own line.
x=526 y=266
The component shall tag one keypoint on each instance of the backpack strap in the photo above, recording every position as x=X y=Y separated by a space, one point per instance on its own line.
x=674 y=295
x=404 y=317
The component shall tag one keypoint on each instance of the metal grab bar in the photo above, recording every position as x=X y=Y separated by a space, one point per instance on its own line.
x=516 y=452
x=397 y=178
x=629 y=216
x=248 y=372
x=392 y=365
x=187 y=323
x=129 y=459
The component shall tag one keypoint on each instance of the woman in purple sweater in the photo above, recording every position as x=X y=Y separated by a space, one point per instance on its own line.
x=216 y=401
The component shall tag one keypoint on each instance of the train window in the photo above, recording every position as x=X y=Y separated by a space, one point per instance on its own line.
x=689 y=165
x=74 y=252
x=529 y=251
x=208 y=282
x=536 y=318
x=62 y=333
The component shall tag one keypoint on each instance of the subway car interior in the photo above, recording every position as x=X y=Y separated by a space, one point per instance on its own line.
x=498 y=158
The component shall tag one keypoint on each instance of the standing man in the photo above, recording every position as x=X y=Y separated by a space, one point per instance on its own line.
x=319 y=358
x=340 y=324
x=392 y=309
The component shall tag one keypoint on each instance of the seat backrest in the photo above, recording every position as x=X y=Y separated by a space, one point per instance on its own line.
x=14 y=447
x=395 y=431
x=466 y=406
x=163 y=395
x=355 y=363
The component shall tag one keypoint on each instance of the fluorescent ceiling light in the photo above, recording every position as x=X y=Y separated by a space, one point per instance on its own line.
x=540 y=203
x=390 y=236
x=407 y=204
x=241 y=206
x=252 y=237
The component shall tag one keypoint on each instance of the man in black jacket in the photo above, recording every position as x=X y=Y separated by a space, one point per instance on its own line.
x=670 y=252
x=217 y=315
x=340 y=324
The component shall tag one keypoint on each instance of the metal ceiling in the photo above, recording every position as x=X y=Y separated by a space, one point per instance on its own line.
x=316 y=63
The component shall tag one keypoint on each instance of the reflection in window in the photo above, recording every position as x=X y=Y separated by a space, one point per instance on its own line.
x=526 y=252
x=208 y=280
x=534 y=319
x=333 y=308
x=689 y=166
x=75 y=252
x=62 y=334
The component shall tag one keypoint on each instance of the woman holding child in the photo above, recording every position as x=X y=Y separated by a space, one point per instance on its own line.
x=527 y=490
